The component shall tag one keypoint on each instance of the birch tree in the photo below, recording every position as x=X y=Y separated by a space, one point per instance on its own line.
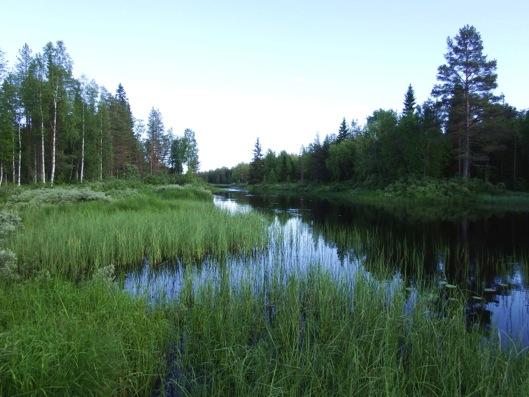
x=59 y=67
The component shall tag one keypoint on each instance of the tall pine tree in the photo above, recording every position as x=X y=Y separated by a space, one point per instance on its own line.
x=468 y=70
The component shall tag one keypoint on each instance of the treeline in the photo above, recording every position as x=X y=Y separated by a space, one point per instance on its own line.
x=463 y=130
x=58 y=128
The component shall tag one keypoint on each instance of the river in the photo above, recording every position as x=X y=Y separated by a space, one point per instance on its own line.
x=485 y=255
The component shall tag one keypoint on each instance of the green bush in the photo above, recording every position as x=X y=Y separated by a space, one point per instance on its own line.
x=456 y=189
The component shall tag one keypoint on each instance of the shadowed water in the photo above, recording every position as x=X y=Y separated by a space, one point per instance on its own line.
x=483 y=254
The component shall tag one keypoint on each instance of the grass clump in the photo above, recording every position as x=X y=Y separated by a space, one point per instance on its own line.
x=75 y=240
x=188 y=192
x=57 y=338
x=313 y=335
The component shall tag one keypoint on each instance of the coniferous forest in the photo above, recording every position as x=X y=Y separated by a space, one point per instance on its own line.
x=465 y=129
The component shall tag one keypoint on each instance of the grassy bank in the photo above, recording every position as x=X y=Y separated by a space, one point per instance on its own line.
x=89 y=337
x=412 y=193
x=121 y=228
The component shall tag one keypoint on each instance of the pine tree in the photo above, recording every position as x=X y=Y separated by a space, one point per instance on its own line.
x=469 y=70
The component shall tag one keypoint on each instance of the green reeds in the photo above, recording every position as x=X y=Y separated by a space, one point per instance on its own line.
x=312 y=335
x=74 y=240
x=61 y=339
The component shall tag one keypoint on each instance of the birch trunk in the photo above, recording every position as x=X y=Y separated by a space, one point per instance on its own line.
x=82 y=150
x=35 y=166
x=1 y=172
x=42 y=152
x=101 y=149
x=13 y=167
x=54 y=137
x=19 y=155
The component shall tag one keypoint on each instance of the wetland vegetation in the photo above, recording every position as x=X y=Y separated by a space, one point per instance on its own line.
x=298 y=299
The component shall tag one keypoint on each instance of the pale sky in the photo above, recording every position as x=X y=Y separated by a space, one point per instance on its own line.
x=279 y=70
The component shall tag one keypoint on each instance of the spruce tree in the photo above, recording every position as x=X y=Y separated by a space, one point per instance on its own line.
x=343 y=132
x=409 y=102
x=256 y=165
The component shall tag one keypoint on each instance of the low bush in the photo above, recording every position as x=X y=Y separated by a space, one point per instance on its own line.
x=57 y=195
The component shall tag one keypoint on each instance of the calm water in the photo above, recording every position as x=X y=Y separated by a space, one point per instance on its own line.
x=485 y=254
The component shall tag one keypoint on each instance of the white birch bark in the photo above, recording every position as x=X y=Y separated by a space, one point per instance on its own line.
x=54 y=136
x=42 y=152
x=101 y=149
x=82 y=149
x=19 y=155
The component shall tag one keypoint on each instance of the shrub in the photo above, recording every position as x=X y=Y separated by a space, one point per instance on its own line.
x=38 y=197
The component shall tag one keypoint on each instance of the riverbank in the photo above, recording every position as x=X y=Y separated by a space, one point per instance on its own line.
x=67 y=327
x=433 y=194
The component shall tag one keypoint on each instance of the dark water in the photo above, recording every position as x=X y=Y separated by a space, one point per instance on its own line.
x=485 y=254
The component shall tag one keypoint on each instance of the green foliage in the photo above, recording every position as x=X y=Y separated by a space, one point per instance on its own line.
x=59 y=338
x=341 y=160
x=427 y=189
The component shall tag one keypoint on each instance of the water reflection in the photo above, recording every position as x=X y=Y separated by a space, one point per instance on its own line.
x=484 y=254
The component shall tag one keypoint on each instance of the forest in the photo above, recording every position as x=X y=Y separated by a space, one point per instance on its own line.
x=463 y=130
x=55 y=128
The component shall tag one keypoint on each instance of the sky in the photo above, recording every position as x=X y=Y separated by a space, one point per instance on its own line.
x=282 y=71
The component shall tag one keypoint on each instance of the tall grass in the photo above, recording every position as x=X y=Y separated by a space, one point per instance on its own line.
x=312 y=335
x=61 y=339
x=73 y=240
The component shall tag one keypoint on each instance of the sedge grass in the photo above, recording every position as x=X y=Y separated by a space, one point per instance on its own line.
x=61 y=339
x=74 y=240
x=314 y=335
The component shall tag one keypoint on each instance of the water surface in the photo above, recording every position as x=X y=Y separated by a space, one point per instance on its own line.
x=484 y=254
